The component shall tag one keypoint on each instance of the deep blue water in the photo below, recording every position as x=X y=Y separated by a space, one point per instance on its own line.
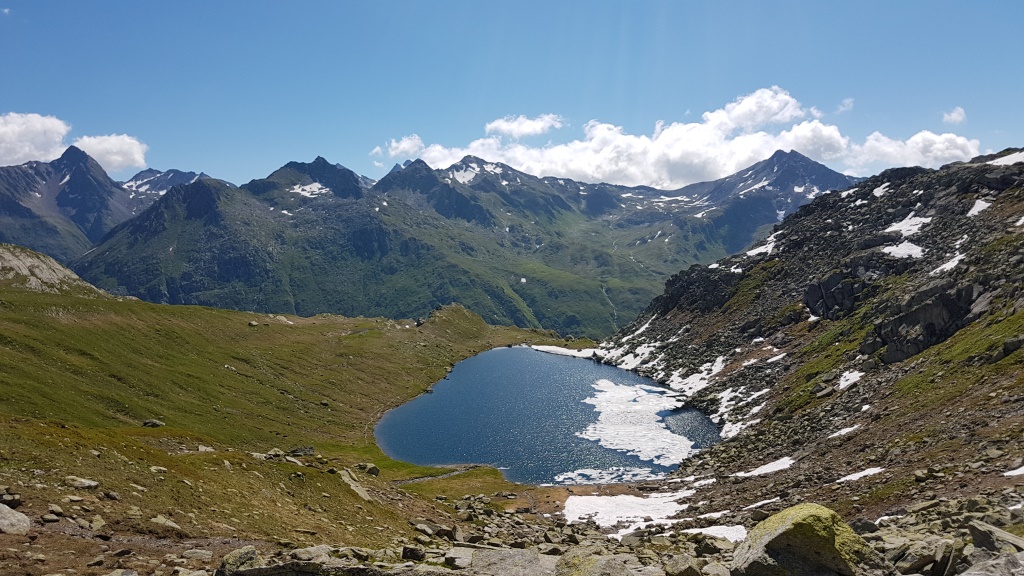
x=519 y=410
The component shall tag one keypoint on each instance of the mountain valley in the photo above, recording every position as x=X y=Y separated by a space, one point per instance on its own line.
x=864 y=355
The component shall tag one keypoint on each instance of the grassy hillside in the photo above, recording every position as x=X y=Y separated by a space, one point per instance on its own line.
x=80 y=372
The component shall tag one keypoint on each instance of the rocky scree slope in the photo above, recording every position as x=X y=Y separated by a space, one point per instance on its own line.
x=517 y=249
x=874 y=333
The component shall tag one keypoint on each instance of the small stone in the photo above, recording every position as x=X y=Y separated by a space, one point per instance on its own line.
x=97 y=561
x=162 y=521
x=49 y=518
x=158 y=469
x=83 y=483
x=196 y=554
x=152 y=423
x=414 y=553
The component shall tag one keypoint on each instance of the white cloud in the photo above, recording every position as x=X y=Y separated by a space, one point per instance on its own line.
x=845 y=106
x=114 y=152
x=520 y=126
x=26 y=137
x=376 y=151
x=723 y=141
x=406 y=146
x=378 y=164
x=5 y=11
x=922 y=149
x=955 y=116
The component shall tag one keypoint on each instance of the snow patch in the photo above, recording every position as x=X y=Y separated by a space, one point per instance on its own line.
x=859 y=475
x=613 y=475
x=952 y=263
x=1008 y=159
x=465 y=176
x=904 y=250
x=1015 y=472
x=640 y=330
x=310 y=190
x=849 y=378
x=611 y=510
x=909 y=226
x=731 y=533
x=585 y=353
x=979 y=206
x=780 y=464
x=881 y=190
x=697 y=381
x=761 y=503
x=844 y=431
x=629 y=421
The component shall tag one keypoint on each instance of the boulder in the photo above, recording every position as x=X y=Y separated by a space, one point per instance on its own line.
x=684 y=566
x=237 y=561
x=13 y=522
x=509 y=562
x=152 y=423
x=321 y=553
x=807 y=539
x=586 y=561
x=1003 y=565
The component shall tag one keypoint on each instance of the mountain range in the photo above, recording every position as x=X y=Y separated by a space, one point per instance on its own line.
x=865 y=355
x=315 y=237
x=581 y=259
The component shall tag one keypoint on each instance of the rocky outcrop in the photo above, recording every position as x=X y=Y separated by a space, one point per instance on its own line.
x=807 y=539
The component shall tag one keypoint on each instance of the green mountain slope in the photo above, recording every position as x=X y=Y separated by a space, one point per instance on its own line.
x=514 y=248
x=82 y=371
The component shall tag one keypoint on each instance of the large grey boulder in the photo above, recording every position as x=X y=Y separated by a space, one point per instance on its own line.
x=511 y=562
x=807 y=540
x=1003 y=565
x=13 y=522
x=586 y=561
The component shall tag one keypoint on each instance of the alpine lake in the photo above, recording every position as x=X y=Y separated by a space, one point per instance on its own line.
x=545 y=418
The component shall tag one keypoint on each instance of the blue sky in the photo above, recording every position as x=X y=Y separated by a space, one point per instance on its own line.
x=576 y=89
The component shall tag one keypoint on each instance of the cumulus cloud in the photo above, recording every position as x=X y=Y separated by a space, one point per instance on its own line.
x=406 y=146
x=520 y=126
x=26 y=137
x=955 y=116
x=723 y=141
x=845 y=106
x=922 y=149
x=114 y=152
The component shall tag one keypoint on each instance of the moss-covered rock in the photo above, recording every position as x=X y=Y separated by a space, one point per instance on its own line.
x=807 y=540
